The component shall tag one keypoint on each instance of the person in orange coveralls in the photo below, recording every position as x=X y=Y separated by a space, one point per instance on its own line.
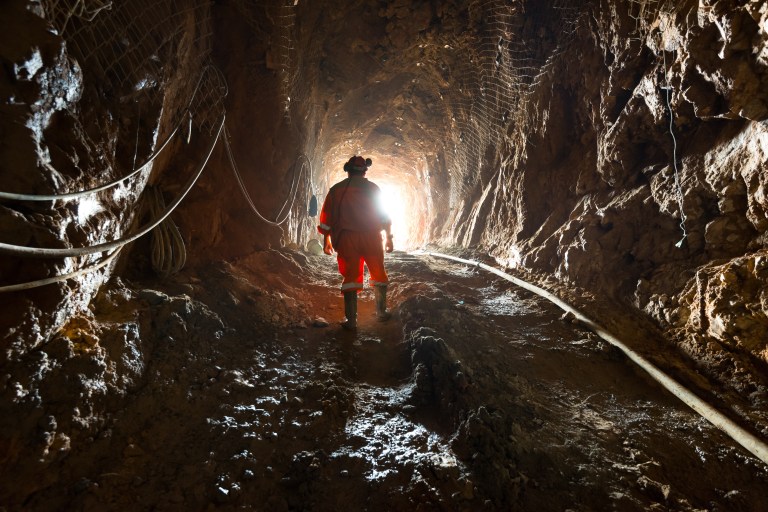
x=351 y=221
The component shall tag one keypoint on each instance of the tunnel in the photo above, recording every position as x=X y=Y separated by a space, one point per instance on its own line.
x=170 y=324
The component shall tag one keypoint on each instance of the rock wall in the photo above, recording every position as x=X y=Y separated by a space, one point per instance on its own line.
x=629 y=161
x=616 y=146
x=89 y=97
x=651 y=110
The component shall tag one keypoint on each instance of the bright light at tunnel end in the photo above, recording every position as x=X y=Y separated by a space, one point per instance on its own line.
x=401 y=203
x=393 y=201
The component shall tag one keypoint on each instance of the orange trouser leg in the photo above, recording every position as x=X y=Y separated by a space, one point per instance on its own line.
x=373 y=255
x=350 y=262
x=354 y=248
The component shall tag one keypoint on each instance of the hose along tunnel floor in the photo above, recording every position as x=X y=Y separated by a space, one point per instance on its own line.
x=476 y=395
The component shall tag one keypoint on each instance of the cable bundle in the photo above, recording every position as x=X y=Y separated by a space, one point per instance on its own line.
x=169 y=254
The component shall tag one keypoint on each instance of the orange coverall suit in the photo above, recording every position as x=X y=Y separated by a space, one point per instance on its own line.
x=353 y=216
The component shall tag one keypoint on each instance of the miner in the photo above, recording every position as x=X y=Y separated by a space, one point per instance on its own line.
x=351 y=221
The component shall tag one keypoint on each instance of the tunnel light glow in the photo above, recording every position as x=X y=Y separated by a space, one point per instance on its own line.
x=395 y=204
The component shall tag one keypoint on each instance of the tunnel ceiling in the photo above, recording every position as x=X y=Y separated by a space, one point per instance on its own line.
x=377 y=87
x=406 y=79
x=428 y=89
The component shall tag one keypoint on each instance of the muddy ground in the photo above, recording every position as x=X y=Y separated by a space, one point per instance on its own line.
x=475 y=396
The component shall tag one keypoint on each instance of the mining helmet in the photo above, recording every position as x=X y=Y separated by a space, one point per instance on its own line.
x=358 y=163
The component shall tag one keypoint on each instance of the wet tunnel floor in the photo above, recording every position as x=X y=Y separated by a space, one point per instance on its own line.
x=476 y=396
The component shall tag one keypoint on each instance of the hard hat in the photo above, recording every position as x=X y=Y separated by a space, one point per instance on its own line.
x=358 y=163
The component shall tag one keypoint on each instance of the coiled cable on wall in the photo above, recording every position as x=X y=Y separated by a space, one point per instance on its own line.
x=169 y=254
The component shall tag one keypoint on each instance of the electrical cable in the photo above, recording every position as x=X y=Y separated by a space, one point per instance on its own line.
x=169 y=254
x=756 y=446
x=63 y=277
x=41 y=252
x=294 y=187
x=291 y=198
x=73 y=195
x=678 y=188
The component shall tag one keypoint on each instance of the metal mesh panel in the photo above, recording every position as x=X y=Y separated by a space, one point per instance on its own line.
x=207 y=107
x=498 y=76
x=134 y=47
x=282 y=13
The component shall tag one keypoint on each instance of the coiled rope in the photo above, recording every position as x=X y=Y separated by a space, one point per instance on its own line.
x=169 y=253
x=756 y=446
x=43 y=252
x=284 y=213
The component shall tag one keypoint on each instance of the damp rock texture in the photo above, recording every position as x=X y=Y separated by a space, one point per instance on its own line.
x=618 y=147
x=87 y=99
x=636 y=163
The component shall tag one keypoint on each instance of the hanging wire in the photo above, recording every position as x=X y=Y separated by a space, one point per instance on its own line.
x=678 y=188
x=44 y=252
x=74 y=195
x=63 y=277
x=290 y=200
x=212 y=89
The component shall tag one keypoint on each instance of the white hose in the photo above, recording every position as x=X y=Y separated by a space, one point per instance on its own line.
x=74 y=195
x=756 y=446
x=44 y=252
x=63 y=277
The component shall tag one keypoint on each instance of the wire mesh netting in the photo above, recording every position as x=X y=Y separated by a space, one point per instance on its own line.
x=498 y=76
x=644 y=12
x=134 y=48
x=207 y=106
x=282 y=14
x=147 y=72
x=297 y=72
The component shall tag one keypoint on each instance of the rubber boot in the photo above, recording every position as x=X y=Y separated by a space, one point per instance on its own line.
x=380 y=292
x=350 y=311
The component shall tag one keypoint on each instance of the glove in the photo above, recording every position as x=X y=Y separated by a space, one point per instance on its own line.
x=389 y=246
x=327 y=246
